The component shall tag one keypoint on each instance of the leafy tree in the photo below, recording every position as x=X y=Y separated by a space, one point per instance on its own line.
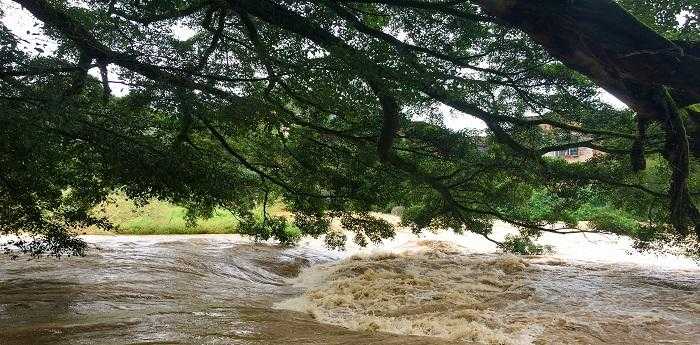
x=334 y=106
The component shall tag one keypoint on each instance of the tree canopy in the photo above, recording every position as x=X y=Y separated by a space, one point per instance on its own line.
x=337 y=107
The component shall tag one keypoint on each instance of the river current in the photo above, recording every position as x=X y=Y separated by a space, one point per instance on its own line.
x=433 y=289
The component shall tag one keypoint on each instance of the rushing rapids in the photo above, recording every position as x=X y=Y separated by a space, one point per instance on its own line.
x=439 y=289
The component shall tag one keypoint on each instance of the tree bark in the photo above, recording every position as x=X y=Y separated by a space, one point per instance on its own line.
x=601 y=40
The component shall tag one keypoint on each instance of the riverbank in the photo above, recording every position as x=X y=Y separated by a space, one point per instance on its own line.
x=163 y=218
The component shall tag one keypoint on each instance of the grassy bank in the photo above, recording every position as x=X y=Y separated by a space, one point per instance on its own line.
x=163 y=218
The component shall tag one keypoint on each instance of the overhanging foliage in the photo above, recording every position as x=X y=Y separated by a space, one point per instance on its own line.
x=334 y=106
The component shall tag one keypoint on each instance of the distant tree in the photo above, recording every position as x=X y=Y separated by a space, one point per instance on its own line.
x=336 y=107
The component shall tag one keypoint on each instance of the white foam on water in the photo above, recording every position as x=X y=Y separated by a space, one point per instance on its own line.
x=458 y=287
x=428 y=289
x=584 y=247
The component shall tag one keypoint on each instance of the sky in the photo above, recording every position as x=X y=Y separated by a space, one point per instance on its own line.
x=27 y=28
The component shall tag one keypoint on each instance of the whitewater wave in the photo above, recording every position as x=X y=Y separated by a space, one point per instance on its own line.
x=438 y=289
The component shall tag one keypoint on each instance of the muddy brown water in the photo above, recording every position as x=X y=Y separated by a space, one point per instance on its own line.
x=221 y=290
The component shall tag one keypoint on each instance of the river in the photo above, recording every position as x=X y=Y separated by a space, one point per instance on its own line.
x=437 y=289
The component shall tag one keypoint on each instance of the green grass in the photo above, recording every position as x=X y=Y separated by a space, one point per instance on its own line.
x=169 y=219
x=162 y=218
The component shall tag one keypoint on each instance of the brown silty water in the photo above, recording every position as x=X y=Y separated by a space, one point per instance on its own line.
x=225 y=290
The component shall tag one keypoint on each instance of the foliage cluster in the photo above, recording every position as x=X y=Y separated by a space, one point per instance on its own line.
x=336 y=108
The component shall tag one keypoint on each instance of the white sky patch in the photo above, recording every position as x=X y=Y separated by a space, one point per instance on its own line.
x=453 y=119
x=31 y=35
x=27 y=29
x=117 y=86
x=182 y=32
x=612 y=100
x=457 y=120
x=317 y=54
x=682 y=17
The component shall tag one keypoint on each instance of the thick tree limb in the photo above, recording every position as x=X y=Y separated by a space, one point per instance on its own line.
x=391 y=120
x=603 y=41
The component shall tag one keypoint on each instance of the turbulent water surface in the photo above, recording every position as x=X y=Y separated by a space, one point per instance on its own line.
x=440 y=289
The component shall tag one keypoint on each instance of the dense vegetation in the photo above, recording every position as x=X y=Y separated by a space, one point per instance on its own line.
x=336 y=107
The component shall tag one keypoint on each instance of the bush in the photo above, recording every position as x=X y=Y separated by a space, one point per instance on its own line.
x=263 y=229
x=524 y=245
x=612 y=220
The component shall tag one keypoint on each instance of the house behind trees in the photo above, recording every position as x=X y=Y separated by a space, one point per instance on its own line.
x=575 y=154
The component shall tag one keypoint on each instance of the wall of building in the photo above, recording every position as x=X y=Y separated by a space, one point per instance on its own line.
x=579 y=154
